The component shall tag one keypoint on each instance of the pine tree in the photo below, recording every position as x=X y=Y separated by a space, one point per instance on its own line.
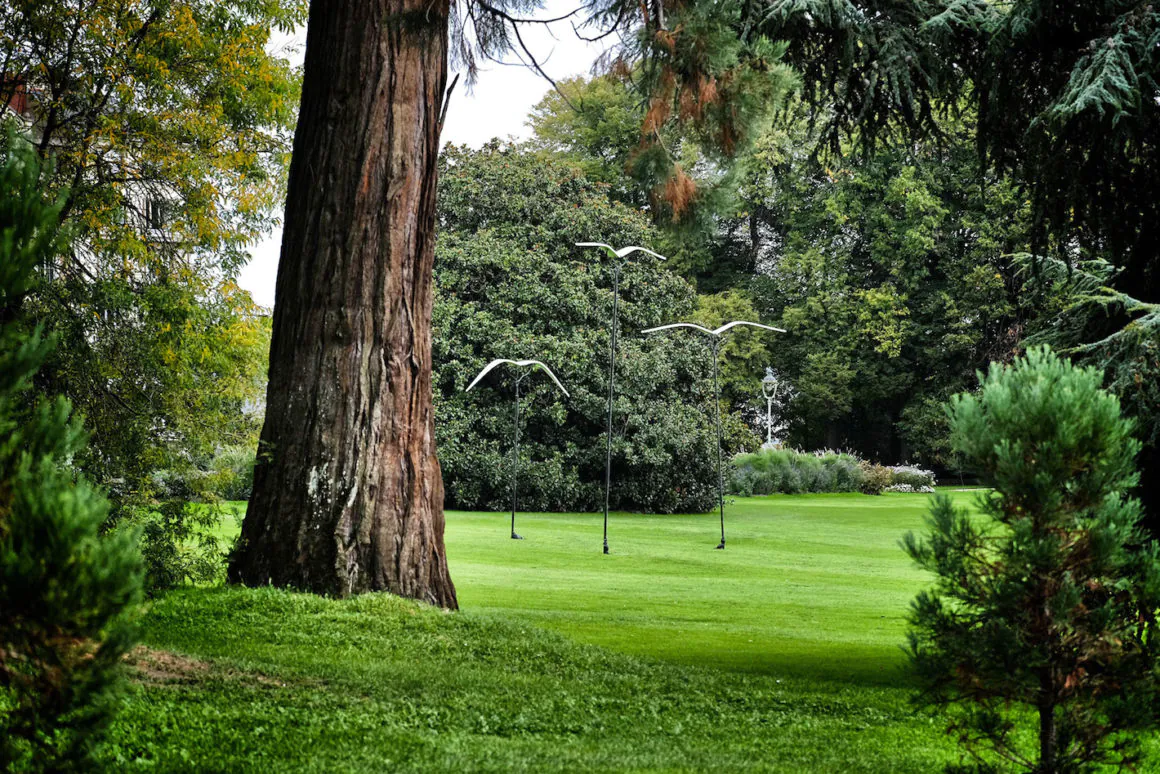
x=66 y=594
x=1045 y=606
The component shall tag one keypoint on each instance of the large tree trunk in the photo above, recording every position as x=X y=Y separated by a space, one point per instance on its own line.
x=348 y=495
x=1048 y=733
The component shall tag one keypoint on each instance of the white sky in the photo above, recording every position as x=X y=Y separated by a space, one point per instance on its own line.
x=498 y=106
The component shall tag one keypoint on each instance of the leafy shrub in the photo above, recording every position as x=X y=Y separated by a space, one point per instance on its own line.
x=911 y=476
x=232 y=472
x=875 y=478
x=178 y=543
x=67 y=595
x=179 y=524
x=786 y=471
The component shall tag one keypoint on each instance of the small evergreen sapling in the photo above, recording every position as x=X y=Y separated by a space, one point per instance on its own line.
x=1038 y=639
x=66 y=594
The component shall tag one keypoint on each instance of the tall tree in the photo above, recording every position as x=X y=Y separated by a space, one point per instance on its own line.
x=888 y=267
x=891 y=272
x=1064 y=92
x=508 y=223
x=347 y=491
x=596 y=122
x=1065 y=95
x=348 y=494
x=166 y=126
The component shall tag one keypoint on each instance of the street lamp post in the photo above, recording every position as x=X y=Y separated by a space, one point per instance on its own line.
x=618 y=257
x=516 y=432
x=769 y=390
x=715 y=345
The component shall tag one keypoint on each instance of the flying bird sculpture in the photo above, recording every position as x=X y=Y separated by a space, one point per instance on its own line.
x=522 y=364
x=623 y=252
x=716 y=340
x=715 y=331
x=618 y=257
x=531 y=366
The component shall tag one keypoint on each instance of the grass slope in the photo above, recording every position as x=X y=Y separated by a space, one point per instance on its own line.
x=780 y=653
x=290 y=682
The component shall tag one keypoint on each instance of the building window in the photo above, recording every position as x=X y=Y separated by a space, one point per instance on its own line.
x=155 y=213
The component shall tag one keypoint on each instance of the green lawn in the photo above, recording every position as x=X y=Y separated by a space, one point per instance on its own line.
x=780 y=653
x=812 y=585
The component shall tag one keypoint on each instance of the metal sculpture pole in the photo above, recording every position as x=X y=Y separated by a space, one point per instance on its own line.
x=516 y=430
x=715 y=345
x=516 y=456
x=720 y=467
x=611 y=396
x=618 y=257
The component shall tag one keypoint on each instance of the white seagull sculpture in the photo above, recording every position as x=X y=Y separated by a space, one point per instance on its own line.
x=715 y=331
x=618 y=257
x=716 y=334
x=516 y=436
x=622 y=252
x=521 y=364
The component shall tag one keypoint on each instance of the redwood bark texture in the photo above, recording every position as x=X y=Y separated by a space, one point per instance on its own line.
x=348 y=494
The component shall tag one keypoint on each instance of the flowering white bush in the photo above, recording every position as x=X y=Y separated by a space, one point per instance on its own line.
x=908 y=489
x=912 y=475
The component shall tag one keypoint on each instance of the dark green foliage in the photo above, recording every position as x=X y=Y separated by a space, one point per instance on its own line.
x=879 y=68
x=164 y=373
x=1046 y=606
x=66 y=594
x=598 y=129
x=1065 y=94
x=785 y=471
x=1096 y=324
x=890 y=274
x=888 y=269
x=1068 y=103
x=745 y=352
x=178 y=543
x=1092 y=322
x=599 y=134
x=510 y=283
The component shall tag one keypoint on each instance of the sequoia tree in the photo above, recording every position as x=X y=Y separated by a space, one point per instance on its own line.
x=347 y=491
